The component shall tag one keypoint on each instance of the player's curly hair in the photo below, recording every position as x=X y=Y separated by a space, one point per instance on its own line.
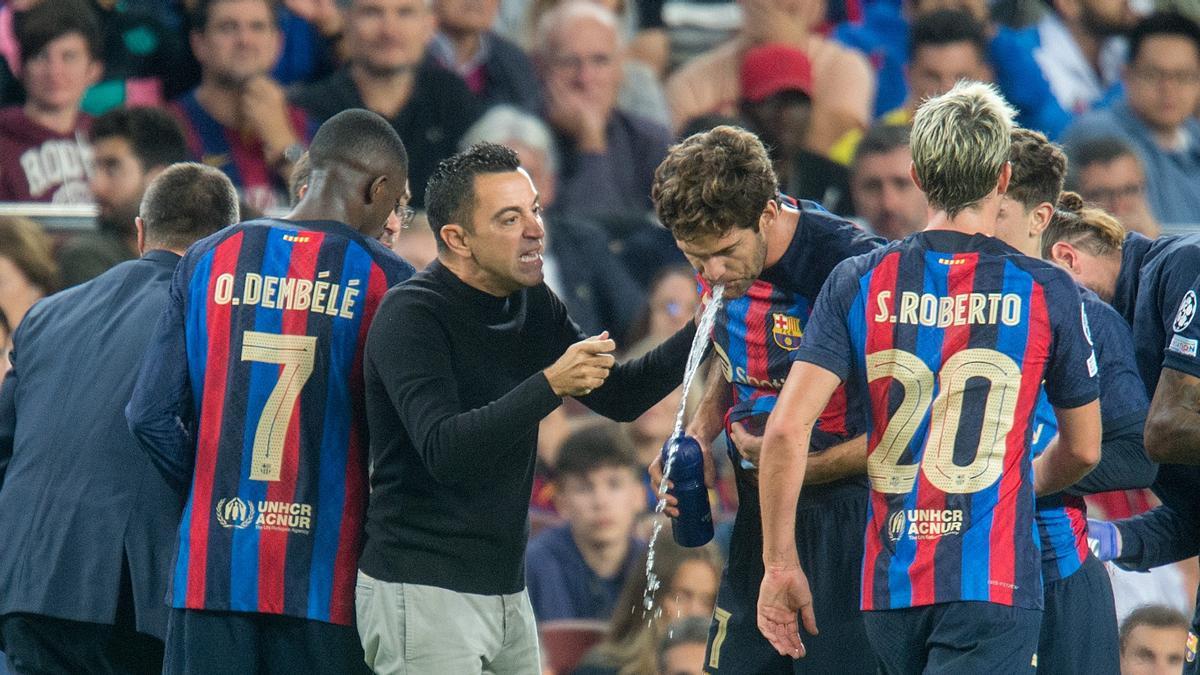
x=1085 y=227
x=1039 y=168
x=712 y=182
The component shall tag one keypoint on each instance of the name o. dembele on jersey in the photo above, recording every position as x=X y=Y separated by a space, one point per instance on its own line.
x=270 y=317
x=950 y=336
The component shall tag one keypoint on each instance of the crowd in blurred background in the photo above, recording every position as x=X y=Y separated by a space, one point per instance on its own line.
x=99 y=96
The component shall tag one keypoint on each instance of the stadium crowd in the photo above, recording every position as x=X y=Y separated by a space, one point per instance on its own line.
x=638 y=125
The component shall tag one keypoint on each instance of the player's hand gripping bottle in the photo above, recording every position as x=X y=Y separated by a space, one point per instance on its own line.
x=694 y=525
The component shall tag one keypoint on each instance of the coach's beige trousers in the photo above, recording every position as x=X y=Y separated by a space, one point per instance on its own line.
x=410 y=629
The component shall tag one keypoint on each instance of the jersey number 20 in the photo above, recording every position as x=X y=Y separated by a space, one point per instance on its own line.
x=1003 y=375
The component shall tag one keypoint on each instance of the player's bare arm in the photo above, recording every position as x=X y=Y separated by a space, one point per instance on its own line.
x=784 y=590
x=1173 y=422
x=1073 y=453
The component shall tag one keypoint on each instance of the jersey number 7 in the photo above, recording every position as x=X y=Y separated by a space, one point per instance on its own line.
x=296 y=353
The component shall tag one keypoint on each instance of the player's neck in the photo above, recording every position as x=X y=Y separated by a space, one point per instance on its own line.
x=604 y=558
x=58 y=120
x=780 y=235
x=978 y=219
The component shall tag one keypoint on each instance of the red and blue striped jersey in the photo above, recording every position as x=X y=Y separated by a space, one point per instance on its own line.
x=237 y=154
x=253 y=395
x=951 y=336
x=756 y=333
x=1062 y=518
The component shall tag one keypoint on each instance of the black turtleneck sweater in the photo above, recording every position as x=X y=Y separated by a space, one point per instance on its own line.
x=455 y=392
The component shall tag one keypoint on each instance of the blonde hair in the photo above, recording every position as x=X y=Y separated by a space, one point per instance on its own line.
x=1085 y=227
x=960 y=143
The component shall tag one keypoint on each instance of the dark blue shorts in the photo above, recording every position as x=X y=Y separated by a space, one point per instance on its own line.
x=954 y=638
x=829 y=537
x=201 y=642
x=1079 y=625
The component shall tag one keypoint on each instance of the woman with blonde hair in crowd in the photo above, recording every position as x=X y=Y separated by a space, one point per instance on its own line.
x=687 y=578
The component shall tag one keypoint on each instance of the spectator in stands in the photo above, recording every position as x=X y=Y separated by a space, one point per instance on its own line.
x=577 y=570
x=640 y=92
x=885 y=196
x=681 y=651
x=130 y=147
x=1153 y=641
x=607 y=156
x=44 y=152
x=842 y=82
x=776 y=82
x=495 y=70
x=1157 y=114
x=687 y=578
x=238 y=119
x=1078 y=45
x=581 y=270
x=389 y=73
x=1107 y=171
x=27 y=269
x=673 y=300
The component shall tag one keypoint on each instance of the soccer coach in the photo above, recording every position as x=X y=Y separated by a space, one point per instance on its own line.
x=462 y=363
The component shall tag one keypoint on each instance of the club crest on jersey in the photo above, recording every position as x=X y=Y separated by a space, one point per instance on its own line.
x=1187 y=310
x=235 y=513
x=786 y=331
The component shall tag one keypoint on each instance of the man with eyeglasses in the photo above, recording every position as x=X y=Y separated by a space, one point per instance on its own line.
x=608 y=156
x=1107 y=171
x=1156 y=115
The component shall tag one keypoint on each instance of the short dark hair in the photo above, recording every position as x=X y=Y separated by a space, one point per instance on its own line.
x=1098 y=150
x=1159 y=24
x=187 y=202
x=690 y=630
x=945 y=27
x=595 y=446
x=450 y=195
x=153 y=135
x=48 y=21
x=712 y=182
x=358 y=139
x=1039 y=168
x=1154 y=616
x=198 y=18
x=882 y=139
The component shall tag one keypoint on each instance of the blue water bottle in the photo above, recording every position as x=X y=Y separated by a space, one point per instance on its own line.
x=694 y=525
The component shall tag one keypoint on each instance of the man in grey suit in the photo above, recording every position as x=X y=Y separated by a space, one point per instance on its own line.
x=88 y=522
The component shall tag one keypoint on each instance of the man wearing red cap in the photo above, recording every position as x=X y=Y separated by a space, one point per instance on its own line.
x=776 y=104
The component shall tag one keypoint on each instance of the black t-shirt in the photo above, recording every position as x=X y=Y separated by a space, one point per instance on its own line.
x=437 y=114
x=454 y=396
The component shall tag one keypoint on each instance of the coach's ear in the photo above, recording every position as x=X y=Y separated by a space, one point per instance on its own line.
x=455 y=236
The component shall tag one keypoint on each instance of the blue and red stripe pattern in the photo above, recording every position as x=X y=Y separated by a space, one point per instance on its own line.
x=950 y=337
x=275 y=317
x=237 y=154
x=756 y=333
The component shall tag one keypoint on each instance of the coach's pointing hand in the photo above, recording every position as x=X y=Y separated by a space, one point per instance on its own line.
x=783 y=595
x=583 y=367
